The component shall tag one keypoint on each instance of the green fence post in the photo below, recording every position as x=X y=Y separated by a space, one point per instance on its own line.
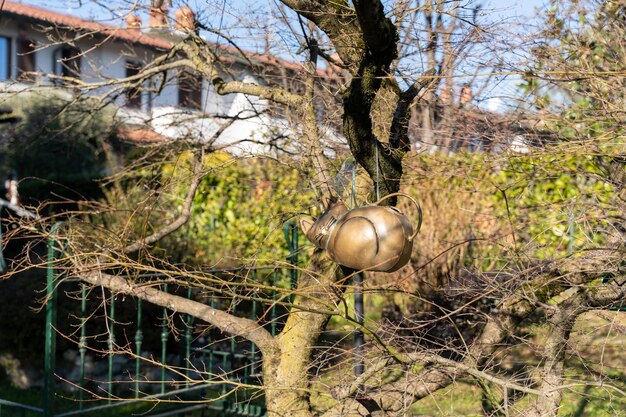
x=111 y=345
x=82 y=349
x=3 y=264
x=188 y=338
x=255 y=279
x=291 y=236
x=50 y=331
x=570 y=232
x=233 y=311
x=359 y=315
x=209 y=342
x=164 y=337
x=138 y=343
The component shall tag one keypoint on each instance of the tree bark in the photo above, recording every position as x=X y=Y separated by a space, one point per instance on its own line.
x=286 y=375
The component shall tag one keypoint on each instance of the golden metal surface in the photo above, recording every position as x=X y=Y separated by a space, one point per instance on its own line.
x=373 y=238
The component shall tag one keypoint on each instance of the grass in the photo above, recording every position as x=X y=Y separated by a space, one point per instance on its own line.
x=596 y=354
x=461 y=399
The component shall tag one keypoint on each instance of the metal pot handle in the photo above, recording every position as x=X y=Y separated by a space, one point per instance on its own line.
x=419 y=210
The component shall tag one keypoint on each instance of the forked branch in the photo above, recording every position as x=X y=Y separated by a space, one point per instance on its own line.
x=196 y=178
x=541 y=286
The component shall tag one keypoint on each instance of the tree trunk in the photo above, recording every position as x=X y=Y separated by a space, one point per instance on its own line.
x=286 y=371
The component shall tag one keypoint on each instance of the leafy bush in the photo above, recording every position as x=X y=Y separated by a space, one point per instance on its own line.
x=483 y=211
x=480 y=210
x=239 y=212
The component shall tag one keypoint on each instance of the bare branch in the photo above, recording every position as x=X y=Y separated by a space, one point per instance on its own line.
x=246 y=328
x=338 y=21
x=400 y=122
x=466 y=369
x=546 y=283
x=196 y=178
x=207 y=62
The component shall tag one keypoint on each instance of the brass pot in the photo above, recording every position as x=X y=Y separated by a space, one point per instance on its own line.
x=373 y=237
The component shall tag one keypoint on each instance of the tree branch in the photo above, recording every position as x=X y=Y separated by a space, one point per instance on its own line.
x=196 y=178
x=338 y=21
x=541 y=285
x=561 y=319
x=378 y=31
x=276 y=95
x=238 y=326
x=462 y=368
x=400 y=122
x=206 y=62
x=382 y=163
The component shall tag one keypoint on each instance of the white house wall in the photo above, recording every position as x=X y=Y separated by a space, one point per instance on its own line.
x=105 y=60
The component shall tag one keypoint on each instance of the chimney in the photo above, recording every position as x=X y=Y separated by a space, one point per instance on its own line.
x=185 y=19
x=447 y=94
x=158 y=19
x=466 y=95
x=133 y=22
x=158 y=14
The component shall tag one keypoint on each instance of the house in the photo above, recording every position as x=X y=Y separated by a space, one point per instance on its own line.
x=40 y=49
x=458 y=123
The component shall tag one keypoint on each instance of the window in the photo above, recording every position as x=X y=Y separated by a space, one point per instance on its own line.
x=67 y=62
x=5 y=58
x=25 y=59
x=190 y=90
x=133 y=94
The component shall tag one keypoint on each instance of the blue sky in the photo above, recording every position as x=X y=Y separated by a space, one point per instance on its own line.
x=515 y=8
x=87 y=9
x=508 y=10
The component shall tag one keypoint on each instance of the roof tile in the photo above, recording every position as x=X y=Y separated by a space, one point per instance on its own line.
x=8 y=7
x=75 y=23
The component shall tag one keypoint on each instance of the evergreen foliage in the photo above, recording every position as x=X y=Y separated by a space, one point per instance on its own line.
x=59 y=148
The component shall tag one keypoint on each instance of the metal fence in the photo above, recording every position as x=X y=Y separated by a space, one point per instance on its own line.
x=152 y=361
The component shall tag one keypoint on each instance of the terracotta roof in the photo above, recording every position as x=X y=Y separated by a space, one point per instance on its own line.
x=141 y=136
x=65 y=21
